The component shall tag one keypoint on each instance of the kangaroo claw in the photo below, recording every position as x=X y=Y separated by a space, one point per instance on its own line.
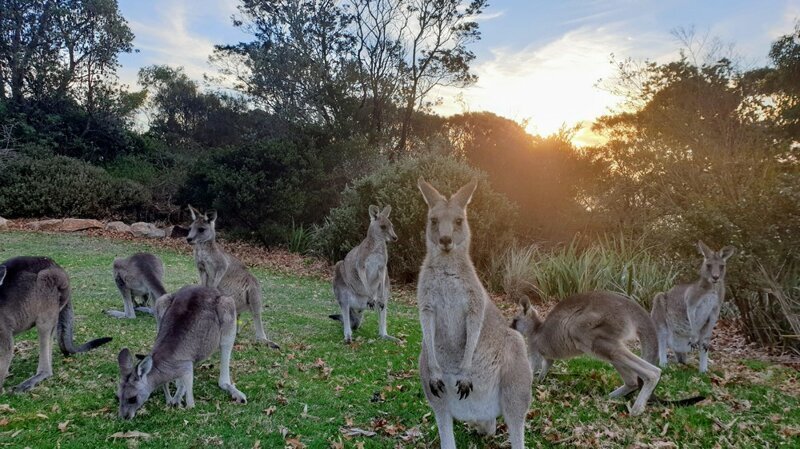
x=436 y=386
x=464 y=388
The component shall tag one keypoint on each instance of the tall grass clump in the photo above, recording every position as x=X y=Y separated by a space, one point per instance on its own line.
x=614 y=264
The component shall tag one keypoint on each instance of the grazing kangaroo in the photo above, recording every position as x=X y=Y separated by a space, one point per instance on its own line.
x=472 y=365
x=192 y=323
x=598 y=324
x=34 y=291
x=219 y=269
x=686 y=315
x=361 y=280
x=138 y=275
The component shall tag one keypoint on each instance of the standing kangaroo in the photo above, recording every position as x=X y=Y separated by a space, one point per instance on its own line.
x=192 y=323
x=219 y=269
x=138 y=275
x=686 y=315
x=34 y=291
x=361 y=280
x=473 y=367
x=599 y=324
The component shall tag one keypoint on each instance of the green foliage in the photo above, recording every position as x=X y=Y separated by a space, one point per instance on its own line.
x=64 y=187
x=300 y=239
x=259 y=189
x=615 y=264
x=491 y=215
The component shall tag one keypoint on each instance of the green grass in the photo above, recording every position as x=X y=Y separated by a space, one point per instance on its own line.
x=372 y=384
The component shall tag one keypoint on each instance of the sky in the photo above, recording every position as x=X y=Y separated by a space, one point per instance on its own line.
x=537 y=61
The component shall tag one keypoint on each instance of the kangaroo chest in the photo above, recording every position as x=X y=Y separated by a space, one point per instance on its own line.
x=449 y=295
x=705 y=305
x=207 y=261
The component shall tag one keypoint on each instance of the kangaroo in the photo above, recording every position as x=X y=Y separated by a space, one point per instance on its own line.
x=192 y=323
x=473 y=367
x=34 y=291
x=361 y=280
x=138 y=275
x=686 y=315
x=218 y=269
x=598 y=324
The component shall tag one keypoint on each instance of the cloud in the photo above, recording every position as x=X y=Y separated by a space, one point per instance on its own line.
x=552 y=84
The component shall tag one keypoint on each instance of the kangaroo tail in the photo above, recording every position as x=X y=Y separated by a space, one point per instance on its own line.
x=65 y=341
x=654 y=399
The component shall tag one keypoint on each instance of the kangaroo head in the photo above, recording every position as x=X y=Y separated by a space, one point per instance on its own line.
x=713 y=268
x=530 y=325
x=447 y=227
x=203 y=227
x=380 y=225
x=133 y=388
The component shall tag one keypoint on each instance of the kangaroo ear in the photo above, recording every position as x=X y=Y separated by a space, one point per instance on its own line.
x=464 y=194
x=725 y=253
x=211 y=216
x=125 y=362
x=386 y=211
x=193 y=211
x=704 y=249
x=431 y=195
x=373 y=212
x=144 y=367
x=2 y=273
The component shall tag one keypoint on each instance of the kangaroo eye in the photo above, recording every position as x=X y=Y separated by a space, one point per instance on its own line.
x=383 y=227
x=201 y=230
x=708 y=266
x=132 y=400
x=459 y=221
x=434 y=221
x=722 y=267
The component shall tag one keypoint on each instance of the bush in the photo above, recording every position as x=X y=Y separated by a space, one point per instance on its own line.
x=60 y=186
x=491 y=215
x=259 y=189
x=613 y=264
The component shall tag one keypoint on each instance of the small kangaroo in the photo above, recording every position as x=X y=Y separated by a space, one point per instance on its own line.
x=473 y=367
x=598 y=324
x=361 y=280
x=192 y=323
x=218 y=269
x=138 y=275
x=686 y=315
x=34 y=291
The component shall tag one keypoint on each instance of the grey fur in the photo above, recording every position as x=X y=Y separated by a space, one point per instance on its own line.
x=139 y=275
x=472 y=365
x=361 y=280
x=598 y=324
x=35 y=292
x=219 y=269
x=685 y=316
x=192 y=323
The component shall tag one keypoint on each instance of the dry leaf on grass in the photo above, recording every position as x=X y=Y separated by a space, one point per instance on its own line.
x=62 y=427
x=351 y=432
x=131 y=434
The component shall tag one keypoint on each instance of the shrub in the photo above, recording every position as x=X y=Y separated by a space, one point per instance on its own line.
x=615 y=264
x=259 y=189
x=60 y=186
x=491 y=215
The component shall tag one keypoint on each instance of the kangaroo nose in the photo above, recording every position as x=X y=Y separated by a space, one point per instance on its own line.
x=445 y=240
x=716 y=277
x=189 y=239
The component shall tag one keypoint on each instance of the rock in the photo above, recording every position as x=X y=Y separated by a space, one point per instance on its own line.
x=117 y=226
x=178 y=232
x=45 y=225
x=79 y=224
x=4 y=224
x=149 y=230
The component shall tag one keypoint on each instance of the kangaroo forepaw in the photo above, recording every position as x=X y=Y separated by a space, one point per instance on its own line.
x=464 y=388
x=694 y=345
x=706 y=346
x=436 y=386
x=371 y=305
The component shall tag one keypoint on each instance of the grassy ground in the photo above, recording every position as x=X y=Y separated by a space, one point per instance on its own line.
x=306 y=394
